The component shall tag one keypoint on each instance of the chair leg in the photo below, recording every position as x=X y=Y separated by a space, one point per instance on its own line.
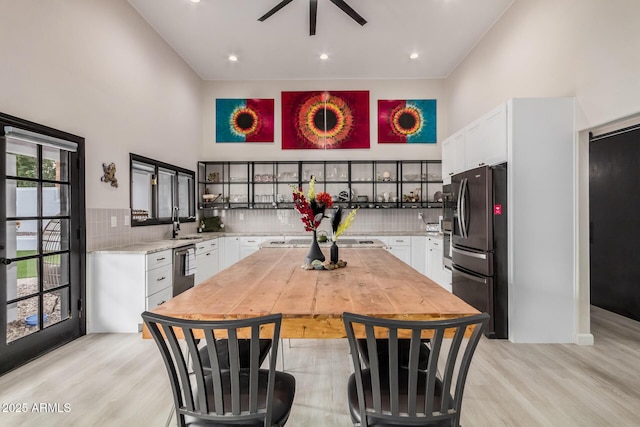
x=282 y=351
x=170 y=416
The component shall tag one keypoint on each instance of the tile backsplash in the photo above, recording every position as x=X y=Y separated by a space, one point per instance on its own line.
x=101 y=234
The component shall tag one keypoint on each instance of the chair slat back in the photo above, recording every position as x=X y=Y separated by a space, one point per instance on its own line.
x=216 y=393
x=408 y=395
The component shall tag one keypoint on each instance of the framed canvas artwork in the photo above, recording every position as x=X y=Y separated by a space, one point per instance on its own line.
x=325 y=120
x=244 y=120
x=407 y=121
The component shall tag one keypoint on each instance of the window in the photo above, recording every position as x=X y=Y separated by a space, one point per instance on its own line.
x=157 y=187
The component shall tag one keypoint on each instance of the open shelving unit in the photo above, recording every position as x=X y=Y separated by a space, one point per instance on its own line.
x=368 y=184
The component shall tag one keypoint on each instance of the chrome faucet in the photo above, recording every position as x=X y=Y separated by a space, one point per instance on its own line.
x=175 y=219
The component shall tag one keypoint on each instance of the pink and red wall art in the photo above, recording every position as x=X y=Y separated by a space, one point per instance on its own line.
x=325 y=120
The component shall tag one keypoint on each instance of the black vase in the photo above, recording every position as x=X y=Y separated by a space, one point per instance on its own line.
x=334 y=253
x=314 y=251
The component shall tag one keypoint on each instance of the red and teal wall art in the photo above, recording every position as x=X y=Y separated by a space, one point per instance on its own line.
x=244 y=120
x=325 y=120
x=407 y=121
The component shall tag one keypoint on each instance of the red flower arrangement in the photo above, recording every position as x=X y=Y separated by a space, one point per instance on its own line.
x=312 y=207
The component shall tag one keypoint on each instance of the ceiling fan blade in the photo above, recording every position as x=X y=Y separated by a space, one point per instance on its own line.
x=313 y=15
x=349 y=11
x=276 y=8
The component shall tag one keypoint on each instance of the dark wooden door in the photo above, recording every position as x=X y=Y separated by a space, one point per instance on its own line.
x=614 y=209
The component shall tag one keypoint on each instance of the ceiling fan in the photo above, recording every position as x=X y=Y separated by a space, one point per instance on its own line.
x=313 y=12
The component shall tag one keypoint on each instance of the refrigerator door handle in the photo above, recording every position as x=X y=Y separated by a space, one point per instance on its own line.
x=469 y=276
x=463 y=208
x=469 y=254
x=459 y=207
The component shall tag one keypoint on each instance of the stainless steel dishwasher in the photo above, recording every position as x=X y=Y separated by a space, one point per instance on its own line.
x=184 y=268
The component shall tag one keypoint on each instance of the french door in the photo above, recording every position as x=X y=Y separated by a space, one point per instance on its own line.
x=42 y=245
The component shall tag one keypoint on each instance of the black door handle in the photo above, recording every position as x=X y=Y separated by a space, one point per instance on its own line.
x=5 y=261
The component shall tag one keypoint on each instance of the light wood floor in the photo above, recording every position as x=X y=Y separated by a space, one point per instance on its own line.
x=119 y=380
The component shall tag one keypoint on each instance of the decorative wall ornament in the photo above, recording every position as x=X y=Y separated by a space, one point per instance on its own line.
x=244 y=120
x=407 y=121
x=325 y=120
x=109 y=174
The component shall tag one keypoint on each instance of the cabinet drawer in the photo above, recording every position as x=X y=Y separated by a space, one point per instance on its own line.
x=159 y=298
x=434 y=243
x=251 y=241
x=158 y=259
x=206 y=246
x=159 y=278
x=400 y=241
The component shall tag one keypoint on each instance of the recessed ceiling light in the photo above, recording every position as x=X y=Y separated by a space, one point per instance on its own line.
x=233 y=58
x=413 y=55
x=324 y=56
x=195 y=1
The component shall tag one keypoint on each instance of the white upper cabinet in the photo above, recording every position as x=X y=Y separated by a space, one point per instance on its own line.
x=447 y=160
x=495 y=139
x=474 y=145
x=459 y=141
x=483 y=142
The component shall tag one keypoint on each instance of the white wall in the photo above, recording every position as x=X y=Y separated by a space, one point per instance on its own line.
x=98 y=70
x=582 y=48
x=378 y=89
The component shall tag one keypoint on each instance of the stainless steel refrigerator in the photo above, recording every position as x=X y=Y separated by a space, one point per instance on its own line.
x=479 y=243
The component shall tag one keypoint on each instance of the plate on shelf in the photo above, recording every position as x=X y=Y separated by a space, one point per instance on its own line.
x=346 y=195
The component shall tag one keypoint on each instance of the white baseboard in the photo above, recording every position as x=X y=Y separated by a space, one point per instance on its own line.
x=584 y=339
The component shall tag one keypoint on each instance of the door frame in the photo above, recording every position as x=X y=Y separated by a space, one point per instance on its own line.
x=23 y=350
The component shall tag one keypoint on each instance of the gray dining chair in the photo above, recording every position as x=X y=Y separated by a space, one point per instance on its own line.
x=389 y=391
x=240 y=393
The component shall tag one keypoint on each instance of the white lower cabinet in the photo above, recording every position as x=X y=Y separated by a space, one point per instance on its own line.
x=250 y=244
x=231 y=253
x=123 y=285
x=419 y=253
x=435 y=268
x=207 y=259
x=399 y=246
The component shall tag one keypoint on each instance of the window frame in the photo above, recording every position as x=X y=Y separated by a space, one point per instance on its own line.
x=175 y=193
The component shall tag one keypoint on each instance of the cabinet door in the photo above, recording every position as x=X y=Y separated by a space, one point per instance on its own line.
x=231 y=251
x=495 y=124
x=474 y=145
x=435 y=264
x=401 y=252
x=419 y=253
x=458 y=152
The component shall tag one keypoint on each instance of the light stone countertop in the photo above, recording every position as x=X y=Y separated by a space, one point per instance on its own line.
x=189 y=239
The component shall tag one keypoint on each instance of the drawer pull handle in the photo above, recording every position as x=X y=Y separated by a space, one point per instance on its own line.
x=159 y=279
x=208 y=253
x=161 y=302
x=160 y=259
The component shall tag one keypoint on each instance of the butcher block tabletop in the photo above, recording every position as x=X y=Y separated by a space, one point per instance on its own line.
x=373 y=283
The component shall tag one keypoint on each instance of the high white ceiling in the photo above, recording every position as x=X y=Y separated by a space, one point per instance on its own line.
x=442 y=32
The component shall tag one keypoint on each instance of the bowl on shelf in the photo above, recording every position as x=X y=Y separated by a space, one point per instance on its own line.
x=411 y=177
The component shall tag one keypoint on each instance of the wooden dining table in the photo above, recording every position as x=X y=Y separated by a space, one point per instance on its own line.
x=271 y=280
